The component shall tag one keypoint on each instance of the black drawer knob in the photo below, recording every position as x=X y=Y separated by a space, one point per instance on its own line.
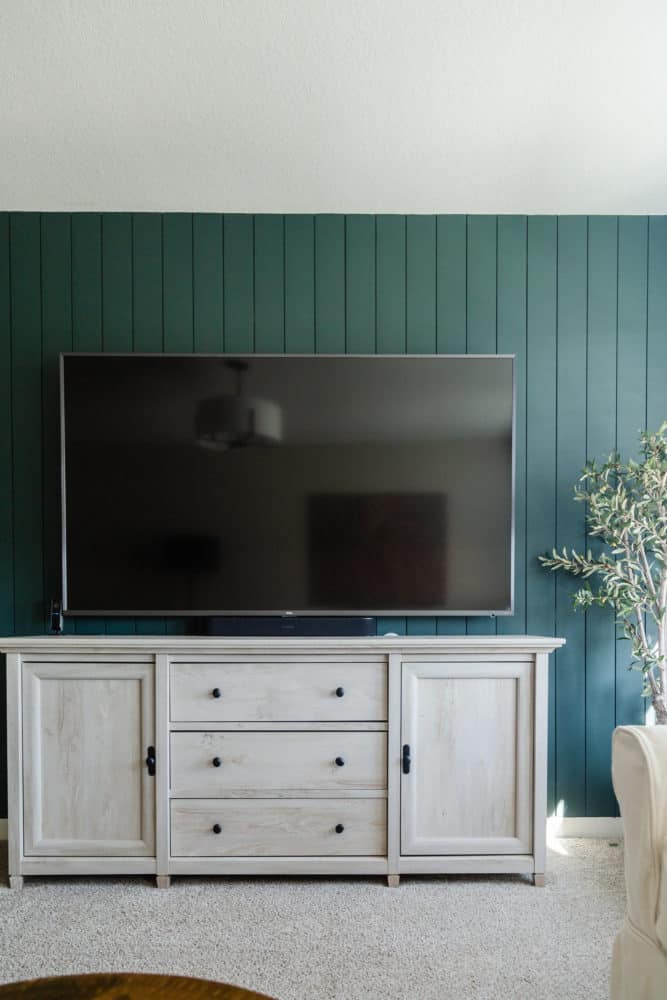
x=339 y=761
x=216 y=762
x=339 y=827
x=217 y=828
x=216 y=692
x=340 y=692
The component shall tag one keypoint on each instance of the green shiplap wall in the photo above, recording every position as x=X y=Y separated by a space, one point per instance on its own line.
x=581 y=302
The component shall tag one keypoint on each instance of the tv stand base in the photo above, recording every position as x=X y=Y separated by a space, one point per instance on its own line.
x=277 y=756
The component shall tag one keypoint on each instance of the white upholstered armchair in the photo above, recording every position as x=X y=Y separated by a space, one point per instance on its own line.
x=639 y=769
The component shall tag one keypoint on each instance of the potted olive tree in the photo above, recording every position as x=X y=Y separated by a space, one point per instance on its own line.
x=627 y=511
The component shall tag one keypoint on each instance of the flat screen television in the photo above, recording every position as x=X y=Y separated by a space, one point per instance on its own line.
x=273 y=485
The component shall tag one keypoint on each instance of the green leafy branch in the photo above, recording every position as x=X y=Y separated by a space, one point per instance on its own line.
x=627 y=512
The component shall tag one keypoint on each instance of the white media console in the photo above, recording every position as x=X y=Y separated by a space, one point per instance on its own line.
x=173 y=756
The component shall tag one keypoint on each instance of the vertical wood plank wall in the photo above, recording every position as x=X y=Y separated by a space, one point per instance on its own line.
x=582 y=302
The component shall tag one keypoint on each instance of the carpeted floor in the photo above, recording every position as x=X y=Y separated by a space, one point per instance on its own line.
x=468 y=938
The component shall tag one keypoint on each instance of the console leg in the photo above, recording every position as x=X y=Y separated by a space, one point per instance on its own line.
x=163 y=881
x=539 y=879
x=393 y=881
x=16 y=881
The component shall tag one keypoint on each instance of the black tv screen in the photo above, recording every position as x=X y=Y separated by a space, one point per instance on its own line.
x=272 y=484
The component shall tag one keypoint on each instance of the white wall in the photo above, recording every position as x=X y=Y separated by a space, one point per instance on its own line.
x=333 y=105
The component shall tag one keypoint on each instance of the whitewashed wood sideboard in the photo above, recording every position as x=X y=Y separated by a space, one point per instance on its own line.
x=173 y=756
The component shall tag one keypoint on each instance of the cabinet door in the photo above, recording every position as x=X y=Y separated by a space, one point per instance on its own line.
x=86 y=730
x=469 y=729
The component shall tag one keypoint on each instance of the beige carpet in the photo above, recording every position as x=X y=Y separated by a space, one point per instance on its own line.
x=334 y=939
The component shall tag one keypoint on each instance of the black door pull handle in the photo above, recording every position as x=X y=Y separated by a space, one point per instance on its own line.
x=407 y=760
x=150 y=761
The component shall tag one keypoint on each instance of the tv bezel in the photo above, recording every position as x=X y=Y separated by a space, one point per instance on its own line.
x=287 y=612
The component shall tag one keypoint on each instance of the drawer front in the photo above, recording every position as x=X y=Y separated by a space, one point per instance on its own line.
x=215 y=765
x=275 y=827
x=279 y=692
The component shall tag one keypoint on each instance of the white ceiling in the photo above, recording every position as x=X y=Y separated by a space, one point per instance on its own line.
x=334 y=105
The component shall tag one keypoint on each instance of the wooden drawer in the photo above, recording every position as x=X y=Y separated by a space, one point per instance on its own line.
x=278 y=827
x=282 y=764
x=279 y=692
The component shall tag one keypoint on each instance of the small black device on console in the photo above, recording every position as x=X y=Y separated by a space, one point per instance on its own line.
x=55 y=618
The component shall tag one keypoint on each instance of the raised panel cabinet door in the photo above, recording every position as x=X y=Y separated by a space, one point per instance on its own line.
x=86 y=731
x=467 y=746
